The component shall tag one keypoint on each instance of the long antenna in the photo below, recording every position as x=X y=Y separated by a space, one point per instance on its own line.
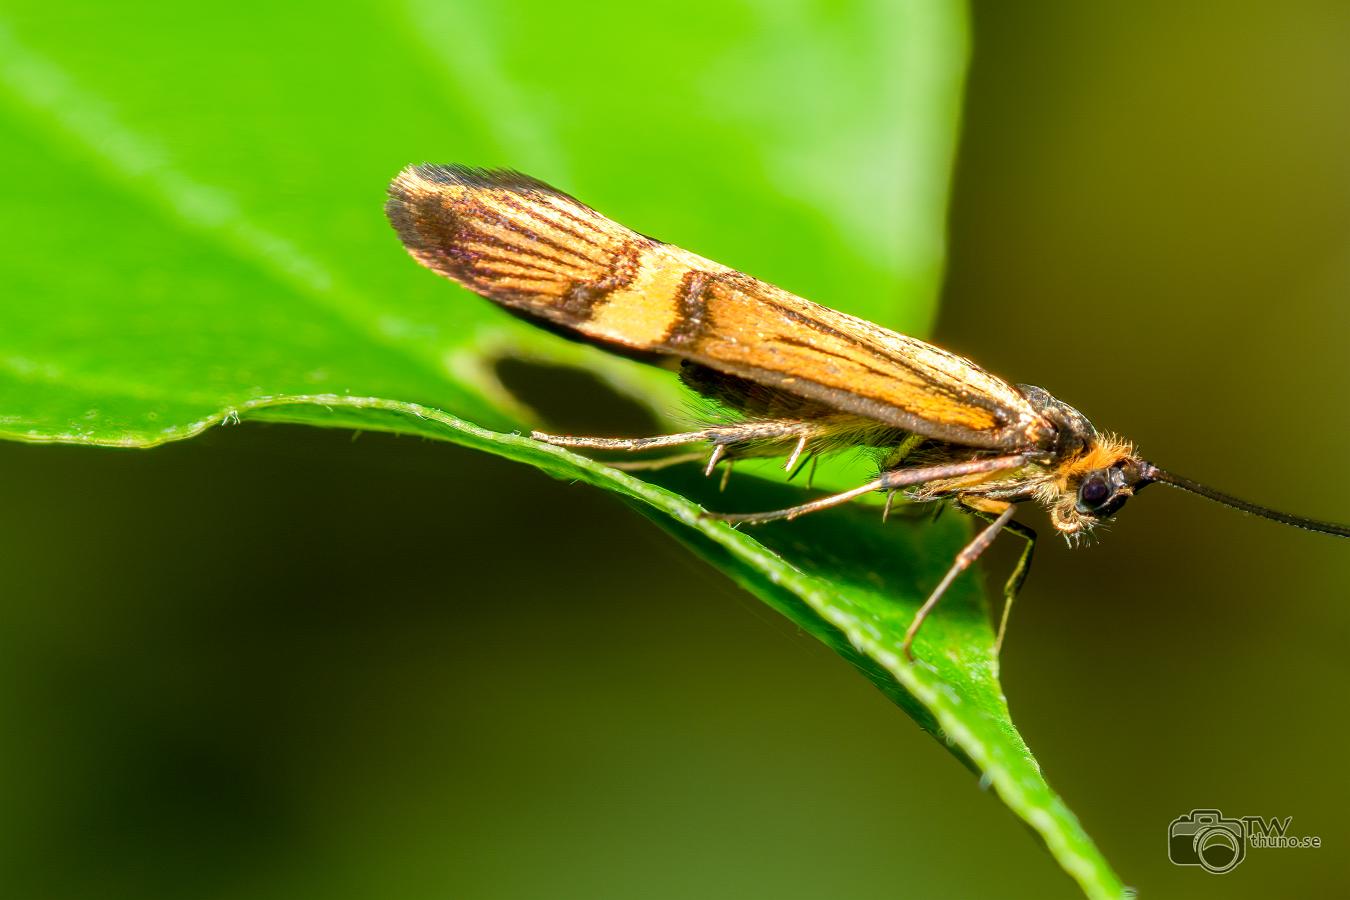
x=1150 y=472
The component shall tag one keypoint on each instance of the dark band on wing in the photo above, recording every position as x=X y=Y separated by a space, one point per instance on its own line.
x=691 y=309
x=581 y=299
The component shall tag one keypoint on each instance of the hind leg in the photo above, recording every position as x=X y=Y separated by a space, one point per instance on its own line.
x=717 y=435
x=728 y=442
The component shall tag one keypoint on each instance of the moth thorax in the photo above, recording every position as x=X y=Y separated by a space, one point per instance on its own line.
x=1074 y=434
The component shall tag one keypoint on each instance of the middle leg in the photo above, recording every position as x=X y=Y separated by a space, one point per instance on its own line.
x=897 y=478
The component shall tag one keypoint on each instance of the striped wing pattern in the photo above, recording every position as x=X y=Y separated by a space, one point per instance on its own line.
x=538 y=251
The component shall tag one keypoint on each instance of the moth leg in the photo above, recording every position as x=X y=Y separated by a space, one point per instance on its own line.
x=724 y=439
x=809 y=458
x=897 y=478
x=793 y=512
x=1013 y=587
x=907 y=509
x=987 y=510
x=963 y=561
x=910 y=509
x=718 y=435
x=629 y=444
x=795 y=455
x=714 y=458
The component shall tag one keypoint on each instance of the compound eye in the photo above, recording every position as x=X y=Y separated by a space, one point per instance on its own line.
x=1093 y=492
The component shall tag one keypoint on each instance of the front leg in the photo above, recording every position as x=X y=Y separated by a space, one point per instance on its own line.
x=963 y=561
x=1013 y=586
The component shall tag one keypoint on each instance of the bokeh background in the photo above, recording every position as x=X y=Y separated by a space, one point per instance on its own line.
x=234 y=667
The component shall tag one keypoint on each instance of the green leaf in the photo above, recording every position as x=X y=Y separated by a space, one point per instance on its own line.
x=193 y=235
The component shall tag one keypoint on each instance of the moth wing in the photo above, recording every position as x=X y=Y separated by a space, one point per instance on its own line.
x=542 y=253
x=761 y=332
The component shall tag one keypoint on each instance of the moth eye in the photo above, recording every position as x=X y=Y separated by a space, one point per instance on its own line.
x=1093 y=492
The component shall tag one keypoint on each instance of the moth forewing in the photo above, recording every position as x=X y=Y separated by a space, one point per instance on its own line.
x=530 y=247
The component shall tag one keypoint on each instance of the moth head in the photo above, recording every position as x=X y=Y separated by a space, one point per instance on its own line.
x=1092 y=488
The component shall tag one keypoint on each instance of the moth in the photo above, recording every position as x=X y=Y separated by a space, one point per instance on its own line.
x=801 y=378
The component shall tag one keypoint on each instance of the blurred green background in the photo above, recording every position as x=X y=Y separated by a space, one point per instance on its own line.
x=234 y=667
